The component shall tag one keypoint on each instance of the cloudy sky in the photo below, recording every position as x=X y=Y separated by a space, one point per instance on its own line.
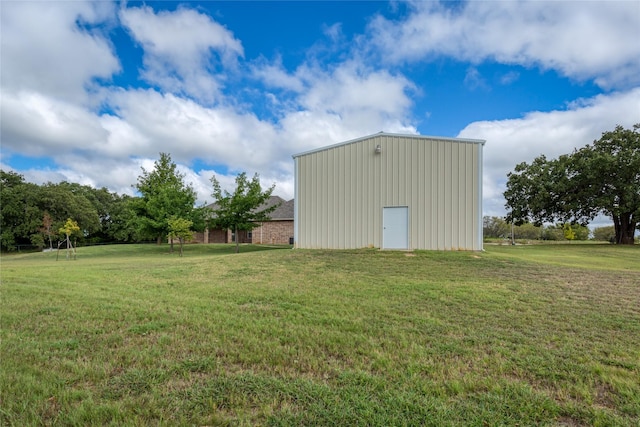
x=93 y=91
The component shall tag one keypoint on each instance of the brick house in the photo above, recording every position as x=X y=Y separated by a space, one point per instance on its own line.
x=278 y=231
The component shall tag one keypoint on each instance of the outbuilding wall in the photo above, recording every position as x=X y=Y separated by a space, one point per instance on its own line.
x=340 y=192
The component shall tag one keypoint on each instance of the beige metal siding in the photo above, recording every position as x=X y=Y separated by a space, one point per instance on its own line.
x=341 y=191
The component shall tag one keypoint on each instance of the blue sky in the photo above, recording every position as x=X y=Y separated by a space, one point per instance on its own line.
x=93 y=91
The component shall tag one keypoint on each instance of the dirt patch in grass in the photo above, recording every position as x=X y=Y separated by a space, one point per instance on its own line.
x=605 y=396
x=570 y=422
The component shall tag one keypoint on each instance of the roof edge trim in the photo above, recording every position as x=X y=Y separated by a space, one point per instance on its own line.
x=404 y=135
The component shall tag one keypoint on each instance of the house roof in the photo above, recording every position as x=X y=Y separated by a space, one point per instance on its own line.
x=281 y=213
x=375 y=135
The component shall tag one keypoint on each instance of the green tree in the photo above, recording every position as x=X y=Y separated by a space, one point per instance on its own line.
x=581 y=232
x=240 y=210
x=10 y=208
x=552 y=232
x=527 y=231
x=20 y=214
x=605 y=234
x=122 y=222
x=495 y=227
x=165 y=195
x=30 y=211
x=600 y=178
x=102 y=201
x=117 y=218
x=68 y=200
x=180 y=228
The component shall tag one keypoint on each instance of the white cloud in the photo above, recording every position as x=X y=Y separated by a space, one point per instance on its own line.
x=216 y=136
x=201 y=182
x=46 y=110
x=474 y=80
x=582 y=40
x=189 y=130
x=44 y=50
x=351 y=87
x=510 y=77
x=552 y=133
x=105 y=150
x=123 y=138
x=37 y=125
x=275 y=76
x=337 y=103
x=334 y=32
x=183 y=49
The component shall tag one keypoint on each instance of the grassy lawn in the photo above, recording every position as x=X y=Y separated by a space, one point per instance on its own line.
x=133 y=335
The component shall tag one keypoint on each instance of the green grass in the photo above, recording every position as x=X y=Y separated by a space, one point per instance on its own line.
x=133 y=335
x=587 y=255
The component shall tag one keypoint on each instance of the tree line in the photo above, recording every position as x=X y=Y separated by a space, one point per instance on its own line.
x=32 y=214
x=495 y=227
x=38 y=215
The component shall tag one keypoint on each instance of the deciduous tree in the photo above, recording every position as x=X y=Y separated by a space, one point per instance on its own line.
x=600 y=178
x=495 y=227
x=46 y=229
x=69 y=228
x=241 y=210
x=180 y=228
x=20 y=214
x=68 y=200
x=605 y=234
x=527 y=231
x=165 y=195
x=29 y=212
x=122 y=222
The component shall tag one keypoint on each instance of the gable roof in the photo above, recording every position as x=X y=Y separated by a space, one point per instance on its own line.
x=375 y=135
x=281 y=213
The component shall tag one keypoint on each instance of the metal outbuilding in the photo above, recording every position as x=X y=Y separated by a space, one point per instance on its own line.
x=390 y=191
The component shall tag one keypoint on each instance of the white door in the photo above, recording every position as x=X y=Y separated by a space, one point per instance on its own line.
x=395 y=227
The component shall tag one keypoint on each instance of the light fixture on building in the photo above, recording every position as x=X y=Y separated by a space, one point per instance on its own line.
x=378 y=149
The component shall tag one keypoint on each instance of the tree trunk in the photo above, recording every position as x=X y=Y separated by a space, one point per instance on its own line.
x=235 y=228
x=69 y=248
x=625 y=229
x=159 y=240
